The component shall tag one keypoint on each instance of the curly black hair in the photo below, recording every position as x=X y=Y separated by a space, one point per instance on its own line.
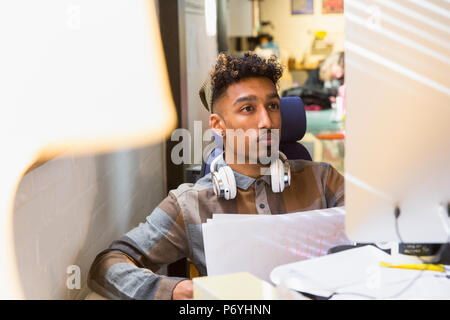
x=231 y=69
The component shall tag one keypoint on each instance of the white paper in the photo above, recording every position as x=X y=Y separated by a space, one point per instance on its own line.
x=333 y=271
x=229 y=216
x=259 y=243
x=356 y=274
x=399 y=284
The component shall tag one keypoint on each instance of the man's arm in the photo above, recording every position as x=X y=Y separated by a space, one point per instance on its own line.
x=334 y=188
x=126 y=270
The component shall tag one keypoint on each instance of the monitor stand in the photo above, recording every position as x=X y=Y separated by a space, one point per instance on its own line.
x=352 y=246
x=428 y=252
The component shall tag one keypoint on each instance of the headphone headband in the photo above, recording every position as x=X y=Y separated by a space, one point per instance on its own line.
x=282 y=156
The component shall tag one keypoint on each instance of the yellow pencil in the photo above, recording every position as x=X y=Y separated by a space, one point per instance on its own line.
x=428 y=267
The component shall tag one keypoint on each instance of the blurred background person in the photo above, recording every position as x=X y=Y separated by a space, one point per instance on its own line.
x=267 y=47
x=329 y=76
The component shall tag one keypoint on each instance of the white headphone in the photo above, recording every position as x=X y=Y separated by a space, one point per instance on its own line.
x=224 y=183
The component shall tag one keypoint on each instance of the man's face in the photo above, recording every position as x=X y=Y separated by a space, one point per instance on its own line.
x=252 y=105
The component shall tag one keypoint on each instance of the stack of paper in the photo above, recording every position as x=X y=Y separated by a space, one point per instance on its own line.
x=259 y=243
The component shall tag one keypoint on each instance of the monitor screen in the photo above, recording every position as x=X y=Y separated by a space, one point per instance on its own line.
x=397 y=70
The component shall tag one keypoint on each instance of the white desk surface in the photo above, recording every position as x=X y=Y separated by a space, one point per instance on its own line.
x=356 y=274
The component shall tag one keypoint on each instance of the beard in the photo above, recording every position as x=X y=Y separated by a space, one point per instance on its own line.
x=253 y=148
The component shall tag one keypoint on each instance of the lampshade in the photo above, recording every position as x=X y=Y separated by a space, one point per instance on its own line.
x=76 y=76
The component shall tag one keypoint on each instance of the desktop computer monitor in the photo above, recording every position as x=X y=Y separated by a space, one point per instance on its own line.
x=397 y=71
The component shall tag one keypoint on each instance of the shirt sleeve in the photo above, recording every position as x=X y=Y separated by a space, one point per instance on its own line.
x=126 y=270
x=334 y=188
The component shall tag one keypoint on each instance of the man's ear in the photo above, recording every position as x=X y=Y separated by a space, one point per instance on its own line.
x=217 y=124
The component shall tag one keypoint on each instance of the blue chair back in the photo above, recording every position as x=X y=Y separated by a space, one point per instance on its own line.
x=293 y=128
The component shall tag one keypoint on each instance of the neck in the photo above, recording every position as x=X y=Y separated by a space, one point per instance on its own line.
x=250 y=170
x=254 y=170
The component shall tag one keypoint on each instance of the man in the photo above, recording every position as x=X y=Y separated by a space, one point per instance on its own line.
x=241 y=94
x=328 y=78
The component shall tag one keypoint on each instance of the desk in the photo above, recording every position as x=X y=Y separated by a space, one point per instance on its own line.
x=357 y=274
x=318 y=122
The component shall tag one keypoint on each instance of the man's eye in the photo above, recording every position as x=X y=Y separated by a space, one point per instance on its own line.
x=247 y=109
x=274 y=106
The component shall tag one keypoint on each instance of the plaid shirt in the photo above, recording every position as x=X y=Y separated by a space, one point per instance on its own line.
x=126 y=270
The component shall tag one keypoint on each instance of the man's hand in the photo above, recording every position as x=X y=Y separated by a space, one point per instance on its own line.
x=183 y=290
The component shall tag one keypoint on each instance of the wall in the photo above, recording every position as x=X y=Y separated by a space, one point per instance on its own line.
x=69 y=209
x=201 y=54
x=291 y=31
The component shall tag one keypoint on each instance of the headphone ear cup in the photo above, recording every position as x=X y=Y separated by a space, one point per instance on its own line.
x=224 y=187
x=231 y=183
x=225 y=183
x=277 y=176
x=215 y=179
x=288 y=169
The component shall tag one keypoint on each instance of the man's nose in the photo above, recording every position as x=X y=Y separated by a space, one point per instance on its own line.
x=264 y=120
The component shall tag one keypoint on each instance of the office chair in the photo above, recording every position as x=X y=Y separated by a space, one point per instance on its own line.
x=293 y=128
x=293 y=119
